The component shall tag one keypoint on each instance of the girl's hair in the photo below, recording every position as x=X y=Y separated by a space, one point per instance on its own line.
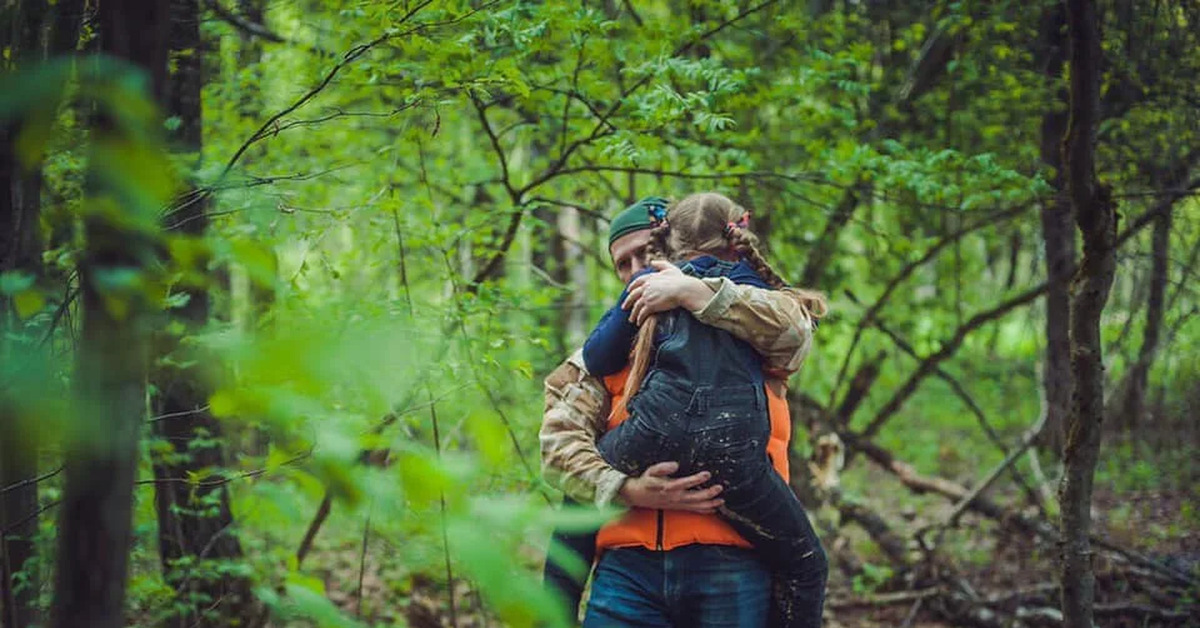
x=706 y=224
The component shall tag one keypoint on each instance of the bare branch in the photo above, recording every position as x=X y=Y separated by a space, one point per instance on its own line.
x=869 y=317
x=26 y=482
x=243 y=24
x=969 y=401
x=951 y=345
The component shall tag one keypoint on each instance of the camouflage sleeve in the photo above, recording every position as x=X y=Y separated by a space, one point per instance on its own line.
x=576 y=413
x=773 y=321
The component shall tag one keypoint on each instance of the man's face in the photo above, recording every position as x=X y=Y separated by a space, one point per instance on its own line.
x=629 y=253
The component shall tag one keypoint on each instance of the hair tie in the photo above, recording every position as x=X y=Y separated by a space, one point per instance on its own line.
x=740 y=223
x=657 y=213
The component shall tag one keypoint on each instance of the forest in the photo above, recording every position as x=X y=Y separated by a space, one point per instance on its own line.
x=280 y=282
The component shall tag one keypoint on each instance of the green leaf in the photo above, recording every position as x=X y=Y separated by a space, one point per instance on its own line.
x=28 y=302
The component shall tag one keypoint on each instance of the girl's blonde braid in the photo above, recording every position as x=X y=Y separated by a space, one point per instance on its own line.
x=639 y=357
x=746 y=245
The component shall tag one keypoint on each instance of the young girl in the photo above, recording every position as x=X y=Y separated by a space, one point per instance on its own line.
x=695 y=395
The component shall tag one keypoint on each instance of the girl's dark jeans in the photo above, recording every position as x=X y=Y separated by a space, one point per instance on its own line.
x=724 y=430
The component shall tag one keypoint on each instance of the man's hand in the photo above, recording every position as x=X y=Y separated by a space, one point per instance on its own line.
x=666 y=289
x=656 y=489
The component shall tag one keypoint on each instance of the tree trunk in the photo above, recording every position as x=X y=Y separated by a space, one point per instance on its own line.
x=20 y=251
x=101 y=452
x=1096 y=218
x=195 y=524
x=1135 y=382
x=1059 y=238
x=573 y=319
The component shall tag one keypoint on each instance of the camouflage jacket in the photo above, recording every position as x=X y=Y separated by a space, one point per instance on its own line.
x=577 y=404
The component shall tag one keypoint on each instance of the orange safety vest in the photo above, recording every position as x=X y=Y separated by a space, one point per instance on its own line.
x=669 y=529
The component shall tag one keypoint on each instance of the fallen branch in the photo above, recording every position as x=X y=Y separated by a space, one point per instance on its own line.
x=892 y=544
x=969 y=401
x=983 y=506
x=885 y=599
x=1026 y=441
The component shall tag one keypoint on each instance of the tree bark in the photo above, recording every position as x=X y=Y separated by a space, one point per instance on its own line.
x=1058 y=237
x=195 y=524
x=1096 y=219
x=96 y=512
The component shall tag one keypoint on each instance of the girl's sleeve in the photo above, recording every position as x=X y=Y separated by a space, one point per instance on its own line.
x=743 y=275
x=607 y=348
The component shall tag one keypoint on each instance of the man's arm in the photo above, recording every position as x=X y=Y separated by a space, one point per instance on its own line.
x=576 y=411
x=576 y=414
x=774 y=322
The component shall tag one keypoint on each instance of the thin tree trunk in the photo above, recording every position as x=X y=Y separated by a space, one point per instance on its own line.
x=1059 y=238
x=195 y=525
x=1096 y=218
x=1135 y=384
x=20 y=251
x=96 y=512
x=574 y=272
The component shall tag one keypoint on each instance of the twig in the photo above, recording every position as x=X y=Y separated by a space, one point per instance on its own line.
x=922 y=484
x=26 y=482
x=176 y=415
x=349 y=57
x=460 y=322
x=225 y=480
x=817 y=178
x=566 y=116
x=314 y=526
x=322 y=513
x=362 y=563
x=339 y=113
x=481 y=113
x=1039 y=477
x=243 y=24
x=433 y=419
x=437 y=446
x=33 y=515
x=59 y=312
x=912 y=612
x=1163 y=206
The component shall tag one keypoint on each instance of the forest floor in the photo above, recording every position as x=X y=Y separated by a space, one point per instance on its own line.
x=1158 y=522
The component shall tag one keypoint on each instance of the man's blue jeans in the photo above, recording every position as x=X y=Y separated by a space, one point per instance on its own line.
x=695 y=586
